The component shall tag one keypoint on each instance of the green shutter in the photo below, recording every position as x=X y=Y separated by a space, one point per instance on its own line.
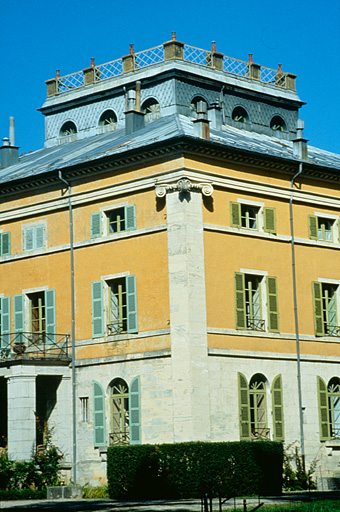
x=272 y=305
x=98 y=414
x=313 y=227
x=50 y=315
x=97 y=310
x=317 y=304
x=240 y=301
x=235 y=215
x=28 y=239
x=96 y=225
x=19 y=316
x=131 y=300
x=244 y=408
x=134 y=411
x=130 y=217
x=323 y=409
x=5 y=322
x=5 y=244
x=277 y=408
x=39 y=232
x=269 y=217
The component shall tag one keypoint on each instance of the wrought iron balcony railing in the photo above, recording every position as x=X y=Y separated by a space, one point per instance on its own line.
x=119 y=438
x=115 y=328
x=332 y=330
x=34 y=345
x=261 y=434
x=156 y=55
x=256 y=324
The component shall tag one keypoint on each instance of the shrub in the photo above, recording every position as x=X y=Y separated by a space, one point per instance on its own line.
x=100 y=492
x=295 y=476
x=22 y=494
x=188 y=470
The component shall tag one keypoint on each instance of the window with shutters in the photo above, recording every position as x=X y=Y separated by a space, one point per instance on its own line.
x=255 y=411
x=256 y=302
x=5 y=244
x=5 y=325
x=114 y=306
x=34 y=237
x=113 y=221
x=326 y=299
x=322 y=228
x=252 y=216
x=329 y=408
x=119 y=406
x=34 y=314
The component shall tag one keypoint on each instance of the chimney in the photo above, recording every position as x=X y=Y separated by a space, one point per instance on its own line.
x=9 y=152
x=300 y=148
x=201 y=124
x=134 y=118
x=215 y=115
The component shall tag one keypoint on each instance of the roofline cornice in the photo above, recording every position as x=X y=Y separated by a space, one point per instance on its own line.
x=179 y=145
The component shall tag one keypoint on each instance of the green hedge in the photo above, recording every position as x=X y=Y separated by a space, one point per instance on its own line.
x=188 y=470
x=22 y=494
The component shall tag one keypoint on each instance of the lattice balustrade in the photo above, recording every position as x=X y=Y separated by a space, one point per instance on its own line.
x=109 y=70
x=72 y=81
x=268 y=75
x=149 y=57
x=235 y=66
x=197 y=56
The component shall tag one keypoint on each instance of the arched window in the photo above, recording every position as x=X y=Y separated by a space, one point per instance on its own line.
x=334 y=406
x=152 y=109
x=108 y=118
x=68 y=128
x=194 y=103
x=278 y=124
x=119 y=407
x=239 y=115
x=258 y=406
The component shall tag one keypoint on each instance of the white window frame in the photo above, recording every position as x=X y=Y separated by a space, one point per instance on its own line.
x=106 y=279
x=335 y=282
x=263 y=292
x=256 y=204
x=335 y=225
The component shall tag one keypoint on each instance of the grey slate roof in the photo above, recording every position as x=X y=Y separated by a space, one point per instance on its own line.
x=92 y=149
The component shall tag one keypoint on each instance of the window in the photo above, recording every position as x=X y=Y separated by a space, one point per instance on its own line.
x=152 y=109
x=34 y=315
x=325 y=309
x=251 y=216
x=253 y=408
x=113 y=221
x=108 y=119
x=84 y=408
x=5 y=244
x=239 y=115
x=321 y=228
x=5 y=324
x=278 y=124
x=329 y=408
x=68 y=128
x=125 y=413
x=120 y=422
x=34 y=237
x=256 y=302
x=114 y=305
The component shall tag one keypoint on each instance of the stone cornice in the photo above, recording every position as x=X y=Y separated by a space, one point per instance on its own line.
x=182 y=186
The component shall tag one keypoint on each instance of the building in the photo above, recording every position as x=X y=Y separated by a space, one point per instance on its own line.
x=153 y=233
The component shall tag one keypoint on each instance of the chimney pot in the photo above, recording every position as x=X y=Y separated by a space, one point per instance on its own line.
x=250 y=60
x=173 y=36
x=280 y=68
x=92 y=63
x=132 y=50
x=5 y=141
x=213 y=46
x=57 y=75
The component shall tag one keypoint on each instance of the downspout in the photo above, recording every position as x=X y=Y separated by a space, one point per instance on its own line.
x=74 y=458
x=296 y=317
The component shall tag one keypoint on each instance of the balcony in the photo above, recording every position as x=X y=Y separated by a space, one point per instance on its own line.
x=261 y=434
x=34 y=345
x=332 y=330
x=119 y=438
x=256 y=324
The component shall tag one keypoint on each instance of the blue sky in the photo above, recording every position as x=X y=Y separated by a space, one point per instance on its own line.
x=38 y=37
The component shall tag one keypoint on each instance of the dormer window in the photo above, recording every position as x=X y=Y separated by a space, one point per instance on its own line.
x=108 y=118
x=194 y=104
x=152 y=109
x=67 y=129
x=278 y=124
x=239 y=115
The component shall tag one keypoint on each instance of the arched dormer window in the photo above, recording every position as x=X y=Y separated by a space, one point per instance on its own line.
x=240 y=115
x=68 y=128
x=278 y=124
x=152 y=109
x=194 y=103
x=108 y=119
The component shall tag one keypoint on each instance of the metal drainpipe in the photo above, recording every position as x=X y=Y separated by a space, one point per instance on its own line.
x=296 y=317
x=72 y=335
